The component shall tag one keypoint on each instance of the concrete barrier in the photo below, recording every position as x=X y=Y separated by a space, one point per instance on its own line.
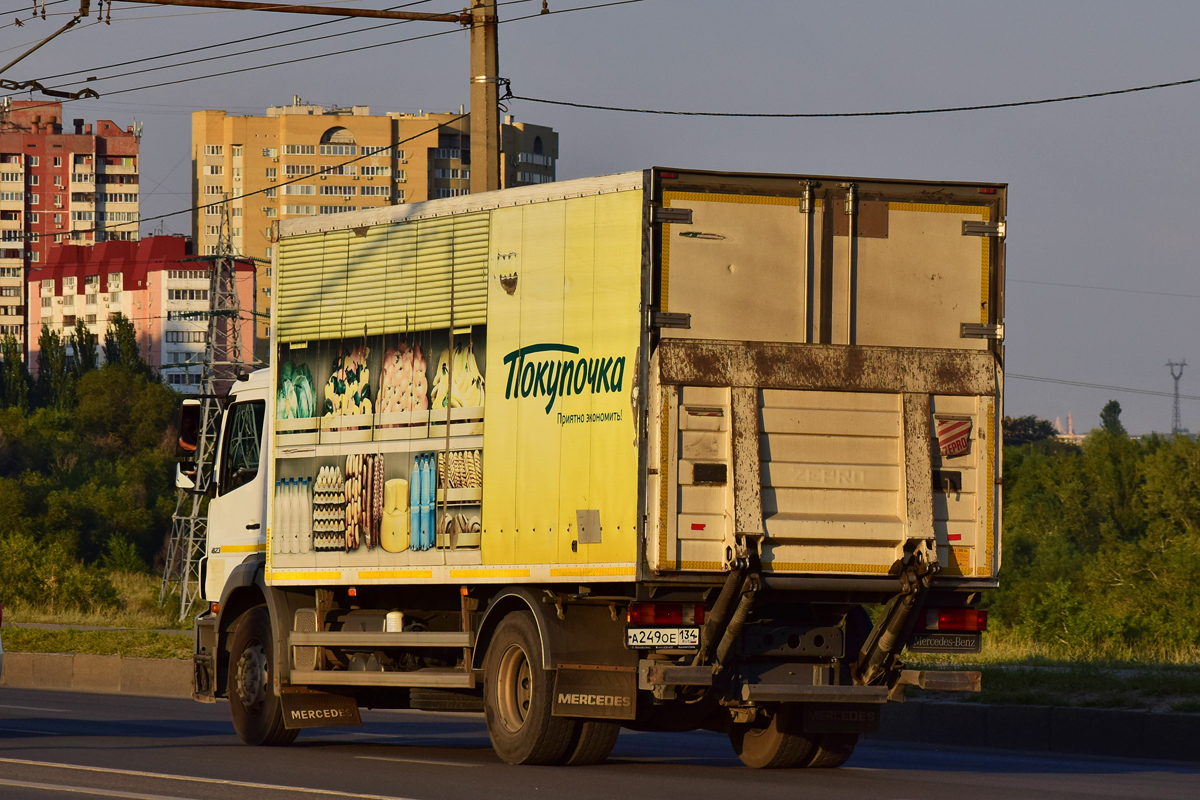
x=148 y=677
x=1079 y=731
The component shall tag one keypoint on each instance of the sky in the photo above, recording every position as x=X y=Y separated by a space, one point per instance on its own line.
x=1102 y=281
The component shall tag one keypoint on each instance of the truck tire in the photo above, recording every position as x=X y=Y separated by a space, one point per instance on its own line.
x=774 y=744
x=257 y=713
x=832 y=750
x=518 y=696
x=593 y=741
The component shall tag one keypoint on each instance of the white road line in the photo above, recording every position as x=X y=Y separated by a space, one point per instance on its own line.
x=35 y=708
x=190 y=779
x=419 y=761
x=58 y=787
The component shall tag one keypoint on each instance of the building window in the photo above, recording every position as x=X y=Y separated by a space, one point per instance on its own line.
x=270 y=212
x=442 y=193
x=214 y=150
x=91 y=299
x=337 y=209
x=270 y=152
x=237 y=151
x=338 y=150
x=114 y=297
x=345 y=191
x=214 y=169
x=301 y=188
x=58 y=161
x=299 y=149
x=271 y=192
x=34 y=180
x=272 y=173
x=14 y=291
x=376 y=171
x=211 y=189
x=299 y=169
x=376 y=191
x=533 y=177
x=47 y=302
x=90 y=319
x=339 y=169
x=34 y=161
x=187 y=294
x=300 y=210
x=452 y=174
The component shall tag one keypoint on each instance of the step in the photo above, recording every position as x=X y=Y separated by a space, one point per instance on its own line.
x=799 y=693
x=431 y=678
x=381 y=639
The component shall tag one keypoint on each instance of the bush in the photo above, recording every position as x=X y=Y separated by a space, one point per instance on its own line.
x=44 y=574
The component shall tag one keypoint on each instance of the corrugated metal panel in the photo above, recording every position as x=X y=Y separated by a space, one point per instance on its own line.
x=392 y=279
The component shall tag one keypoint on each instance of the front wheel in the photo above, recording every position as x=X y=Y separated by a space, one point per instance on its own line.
x=257 y=713
x=776 y=743
x=518 y=696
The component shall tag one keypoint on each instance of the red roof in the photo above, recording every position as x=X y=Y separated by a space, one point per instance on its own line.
x=132 y=259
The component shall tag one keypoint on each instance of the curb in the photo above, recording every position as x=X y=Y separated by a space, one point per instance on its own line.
x=1044 y=729
x=66 y=672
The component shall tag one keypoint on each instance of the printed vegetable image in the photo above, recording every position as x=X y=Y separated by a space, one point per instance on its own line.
x=348 y=390
x=297 y=396
x=467 y=391
x=403 y=385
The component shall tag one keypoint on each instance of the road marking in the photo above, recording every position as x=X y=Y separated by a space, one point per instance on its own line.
x=35 y=708
x=420 y=761
x=58 y=787
x=169 y=777
x=23 y=730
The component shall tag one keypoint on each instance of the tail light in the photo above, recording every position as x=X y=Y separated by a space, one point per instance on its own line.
x=955 y=619
x=666 y=613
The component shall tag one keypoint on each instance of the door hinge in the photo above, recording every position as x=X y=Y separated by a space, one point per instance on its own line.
x=667 y=319
x=975 y=227
x=973 y=330
x=679 y=216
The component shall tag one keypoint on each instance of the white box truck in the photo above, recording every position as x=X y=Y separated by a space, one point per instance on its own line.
x=662 y=450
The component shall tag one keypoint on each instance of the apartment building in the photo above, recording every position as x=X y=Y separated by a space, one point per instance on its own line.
x=152 y=282
x=58 y=185
x=305 y=159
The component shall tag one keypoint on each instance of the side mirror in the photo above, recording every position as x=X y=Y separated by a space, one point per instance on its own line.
x=185 y=476
x=189 y=426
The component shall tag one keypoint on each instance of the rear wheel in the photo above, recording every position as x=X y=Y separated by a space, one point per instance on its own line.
x=593 y=741
x=775 y=743
x=518 y=695
x=833 y=749
x=257 y=713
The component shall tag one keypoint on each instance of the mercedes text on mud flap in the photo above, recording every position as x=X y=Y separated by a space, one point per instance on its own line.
x=662 y=450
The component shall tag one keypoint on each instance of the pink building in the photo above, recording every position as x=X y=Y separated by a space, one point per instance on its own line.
x=152 y=283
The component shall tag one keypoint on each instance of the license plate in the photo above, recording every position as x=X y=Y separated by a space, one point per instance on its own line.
x=645 y=638
x=945 y=643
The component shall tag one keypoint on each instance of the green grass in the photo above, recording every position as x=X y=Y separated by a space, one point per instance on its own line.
x=141 y=644
x=139 y=608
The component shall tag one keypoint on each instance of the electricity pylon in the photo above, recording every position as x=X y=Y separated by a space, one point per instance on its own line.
x=1176 y=424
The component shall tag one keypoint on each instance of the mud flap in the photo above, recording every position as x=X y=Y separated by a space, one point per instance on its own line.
x=311 y=709
x=595 y=692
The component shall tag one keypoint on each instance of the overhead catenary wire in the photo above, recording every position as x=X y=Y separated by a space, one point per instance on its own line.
x=845 y=114
x=1012 y=376
x=1105 y=288
x=289 y=62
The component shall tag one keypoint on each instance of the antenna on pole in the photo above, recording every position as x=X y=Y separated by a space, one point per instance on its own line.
x=1176 y=425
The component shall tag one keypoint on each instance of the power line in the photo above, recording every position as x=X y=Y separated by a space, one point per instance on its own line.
x=340 y=52
x=1106 y=288
x=1100 y=386
x=229 y=43
x=832 y=114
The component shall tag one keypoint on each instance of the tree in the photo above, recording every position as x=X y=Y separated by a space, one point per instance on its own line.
x=120 y=345
x=1023 y=430
x=84 y=343
x=1110 y=418
x=55 y=381
x=16 y=376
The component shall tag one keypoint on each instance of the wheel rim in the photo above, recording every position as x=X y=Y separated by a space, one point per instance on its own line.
x=514 y=688
x=252 y=677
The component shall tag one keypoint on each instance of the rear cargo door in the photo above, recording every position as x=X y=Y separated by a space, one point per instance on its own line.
x=858 y=322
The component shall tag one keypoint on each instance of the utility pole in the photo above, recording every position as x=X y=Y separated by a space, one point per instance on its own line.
x=1176 y=424
x=485 y=98
x=224 y=359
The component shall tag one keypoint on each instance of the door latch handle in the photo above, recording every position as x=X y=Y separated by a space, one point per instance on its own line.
x=253 y=526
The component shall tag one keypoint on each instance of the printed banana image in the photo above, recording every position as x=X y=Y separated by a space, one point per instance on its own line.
x=467 y=391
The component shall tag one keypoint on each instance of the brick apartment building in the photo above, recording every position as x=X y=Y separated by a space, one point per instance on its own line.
x=151 y=283
x=75 y=184
x=249 y=157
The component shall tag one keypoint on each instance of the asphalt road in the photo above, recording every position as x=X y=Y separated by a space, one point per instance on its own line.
x=61 y=745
